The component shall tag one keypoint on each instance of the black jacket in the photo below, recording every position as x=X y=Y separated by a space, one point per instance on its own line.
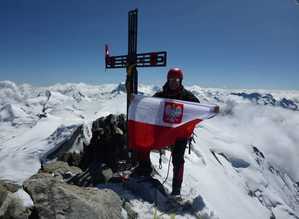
x=182 y=94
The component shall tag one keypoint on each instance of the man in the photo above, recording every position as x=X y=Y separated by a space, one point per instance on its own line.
x=172 y=89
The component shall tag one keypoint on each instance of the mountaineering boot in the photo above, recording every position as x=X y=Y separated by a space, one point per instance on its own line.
x=176 y=195
x=176 y=188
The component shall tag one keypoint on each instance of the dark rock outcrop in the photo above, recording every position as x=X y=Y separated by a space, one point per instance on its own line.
x=107 y=145
x=108 y=142
x=97 y=173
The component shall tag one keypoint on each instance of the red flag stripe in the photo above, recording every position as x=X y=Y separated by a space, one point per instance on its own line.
x=146 y=137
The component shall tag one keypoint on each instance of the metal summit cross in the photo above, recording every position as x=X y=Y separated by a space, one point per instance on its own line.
x=134 y=59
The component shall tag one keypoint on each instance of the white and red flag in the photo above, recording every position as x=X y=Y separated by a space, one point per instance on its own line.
x=155 y=123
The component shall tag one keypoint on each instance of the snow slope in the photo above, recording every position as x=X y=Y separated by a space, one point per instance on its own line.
x=244 y=162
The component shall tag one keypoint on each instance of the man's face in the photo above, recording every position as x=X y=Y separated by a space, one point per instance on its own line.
x=174 y=83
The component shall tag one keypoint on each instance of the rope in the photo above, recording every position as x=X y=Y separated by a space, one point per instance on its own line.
x=160 y=160
x=167 y=169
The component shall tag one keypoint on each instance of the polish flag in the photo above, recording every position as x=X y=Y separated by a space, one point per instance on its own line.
x=155 y=123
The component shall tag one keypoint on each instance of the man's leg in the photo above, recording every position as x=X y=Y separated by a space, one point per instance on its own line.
x=178 y=151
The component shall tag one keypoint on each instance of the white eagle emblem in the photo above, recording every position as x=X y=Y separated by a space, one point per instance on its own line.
x=173 y=112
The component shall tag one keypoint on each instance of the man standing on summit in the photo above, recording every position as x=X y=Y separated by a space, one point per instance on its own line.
x=172 y=89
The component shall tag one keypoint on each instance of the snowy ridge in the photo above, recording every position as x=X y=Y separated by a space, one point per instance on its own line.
x=243 y=164
x=268 y=99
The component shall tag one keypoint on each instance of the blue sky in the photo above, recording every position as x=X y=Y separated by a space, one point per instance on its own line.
x=232 y=43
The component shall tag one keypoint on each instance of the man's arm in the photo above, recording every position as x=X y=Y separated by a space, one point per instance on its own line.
x=158 y=94
x=189 y=96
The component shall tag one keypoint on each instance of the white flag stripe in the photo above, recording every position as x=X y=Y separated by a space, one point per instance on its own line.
x=150 y=110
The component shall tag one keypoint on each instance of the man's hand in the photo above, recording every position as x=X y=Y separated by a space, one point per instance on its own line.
x=216 y=109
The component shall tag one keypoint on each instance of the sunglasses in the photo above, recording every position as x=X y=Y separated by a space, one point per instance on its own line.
x=174 y=79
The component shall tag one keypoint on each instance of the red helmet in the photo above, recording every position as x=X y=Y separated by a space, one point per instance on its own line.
x=175 y=73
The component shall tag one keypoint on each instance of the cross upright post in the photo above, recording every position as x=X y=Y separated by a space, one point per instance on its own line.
x=133 y=59
x=132 y=73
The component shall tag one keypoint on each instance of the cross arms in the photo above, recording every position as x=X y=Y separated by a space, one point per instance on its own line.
x=149 y=59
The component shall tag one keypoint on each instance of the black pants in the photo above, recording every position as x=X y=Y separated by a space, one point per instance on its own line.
x=178 y=152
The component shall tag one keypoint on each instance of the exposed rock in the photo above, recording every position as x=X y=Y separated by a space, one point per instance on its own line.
x=11 y=207
x=10 y=185
x=55 y=199
x=103 y=175
x=121 y=87
x=60 y=169
x=72 y=158
x=95 y=174
x=108 y=142
x=3 y=194
x=252 y=96
x=68 y=143
x=285 y=103
x=131 y=213
x=258 y=152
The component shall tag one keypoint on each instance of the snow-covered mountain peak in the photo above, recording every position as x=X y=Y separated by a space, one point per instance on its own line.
x=10 y=112
x=268 y=99
x=121 y=87
x=244 y=162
